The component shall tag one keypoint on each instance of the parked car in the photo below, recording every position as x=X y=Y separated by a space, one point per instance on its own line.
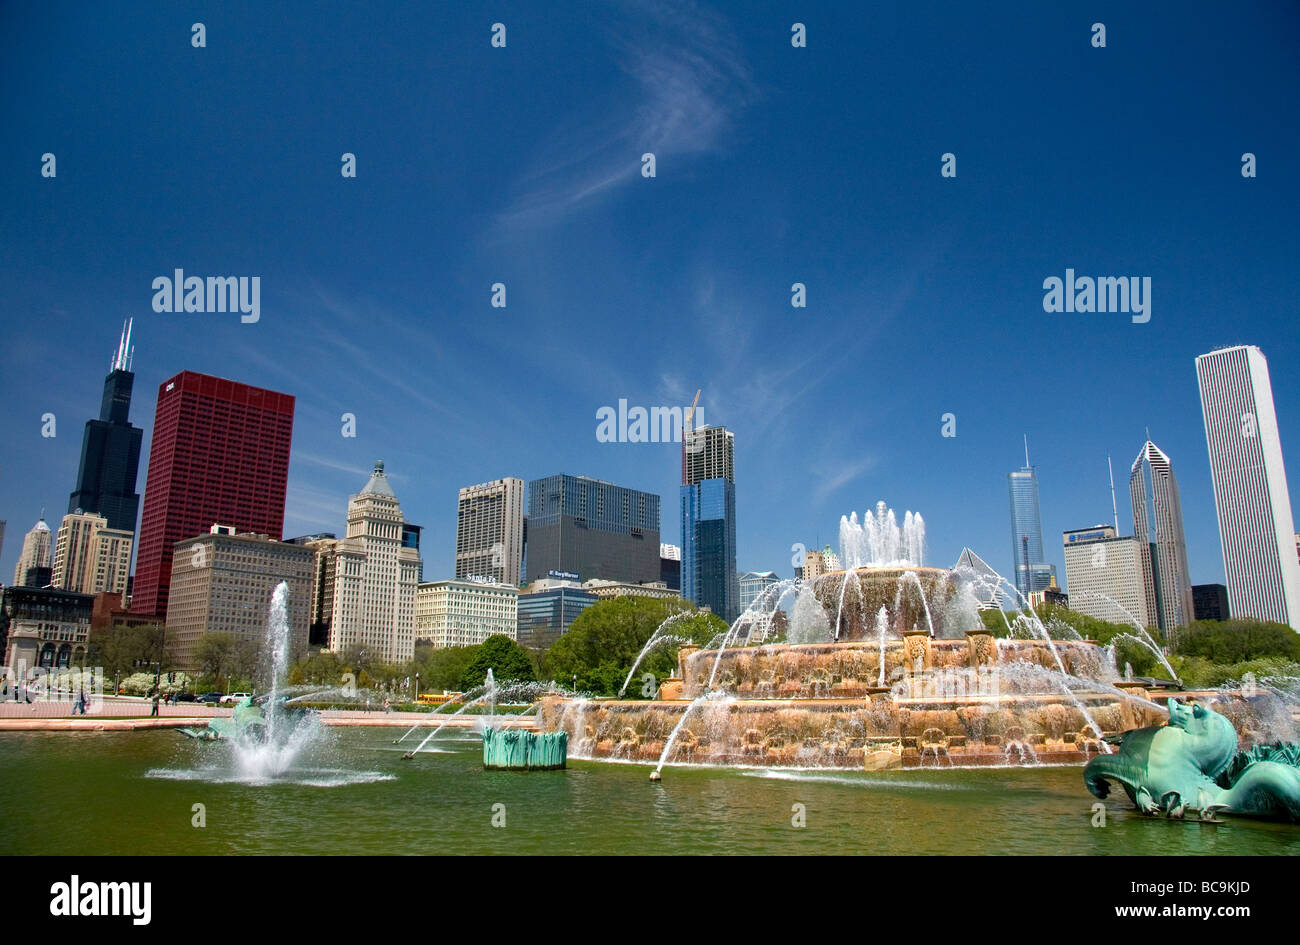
x=235 y=697
x=212 y=698
x=185 y=697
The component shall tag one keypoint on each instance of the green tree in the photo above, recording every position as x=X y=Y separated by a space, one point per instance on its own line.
x=1237 y=640
x=506 y=658
x=226 y=657
x=606 y=638
x=444 y=667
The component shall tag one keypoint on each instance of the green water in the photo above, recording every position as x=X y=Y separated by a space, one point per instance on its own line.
x=133 y=793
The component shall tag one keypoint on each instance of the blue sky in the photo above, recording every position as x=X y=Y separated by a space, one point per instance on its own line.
x=775 y=165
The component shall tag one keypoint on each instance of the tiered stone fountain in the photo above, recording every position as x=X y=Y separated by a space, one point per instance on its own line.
x=907 y=676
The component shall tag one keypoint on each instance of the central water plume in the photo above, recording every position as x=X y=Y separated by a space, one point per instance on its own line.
x=879 y=542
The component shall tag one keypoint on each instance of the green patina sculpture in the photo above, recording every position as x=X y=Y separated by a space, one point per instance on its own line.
x=248 y=722
x=1192 y=763
x=512 y=749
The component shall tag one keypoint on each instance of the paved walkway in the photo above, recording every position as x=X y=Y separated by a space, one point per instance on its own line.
x=127 y=713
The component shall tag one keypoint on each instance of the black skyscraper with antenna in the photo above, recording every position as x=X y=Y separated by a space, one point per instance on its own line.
x=110 y=449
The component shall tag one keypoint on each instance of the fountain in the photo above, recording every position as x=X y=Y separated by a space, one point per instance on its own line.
x=266 y=732
x=885 y=664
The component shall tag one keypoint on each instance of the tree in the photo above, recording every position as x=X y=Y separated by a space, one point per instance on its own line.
x=444 y=667
x=1237 y=640
x=506 y=658
x=225 y=656
x=118 y=649
x=607 y=637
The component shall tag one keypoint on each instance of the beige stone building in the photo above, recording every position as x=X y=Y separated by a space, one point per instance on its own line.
x=1103 y=574
x=465 y=613
x=223 y=582
x=90 y=557
x=374 y=577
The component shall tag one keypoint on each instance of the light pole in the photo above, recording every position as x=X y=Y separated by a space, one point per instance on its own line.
x=417 y=687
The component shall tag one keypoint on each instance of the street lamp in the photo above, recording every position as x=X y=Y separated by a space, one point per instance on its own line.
x=417 y=687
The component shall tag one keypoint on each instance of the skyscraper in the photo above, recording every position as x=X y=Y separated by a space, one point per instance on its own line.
x=110 y=449
x=1031 y=571
x=35 y=555
x=219 y=454
x=490 y=531
x=709 y=521
x=592 y=528
x=223 y=582
x=90 y=557
x=754 y=583
x=375 y=577
x=1104 y=573
x=1158 y=529
x=1250 y=491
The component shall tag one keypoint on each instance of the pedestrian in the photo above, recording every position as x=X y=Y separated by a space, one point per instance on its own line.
x=387 y=706
x=155 y=703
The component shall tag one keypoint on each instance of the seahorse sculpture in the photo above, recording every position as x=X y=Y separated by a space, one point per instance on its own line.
x=1192 y=763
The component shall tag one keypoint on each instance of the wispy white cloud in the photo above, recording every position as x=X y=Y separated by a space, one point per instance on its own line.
x=686 y=82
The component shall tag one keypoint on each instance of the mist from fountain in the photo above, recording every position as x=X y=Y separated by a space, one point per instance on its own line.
x=284 y=738
x=898 y=596
x=656 y=638
x=882 y=628
x=1145 y=639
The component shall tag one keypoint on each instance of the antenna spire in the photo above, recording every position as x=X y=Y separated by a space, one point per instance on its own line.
x=1026 y=450
x=122 y=361
x=1114 y=509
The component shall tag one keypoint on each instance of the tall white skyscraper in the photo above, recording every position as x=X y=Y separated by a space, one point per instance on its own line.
x=490 y=531
x=1158 y=530
x=375 y=577
x=1250 y=491
x=35 y=553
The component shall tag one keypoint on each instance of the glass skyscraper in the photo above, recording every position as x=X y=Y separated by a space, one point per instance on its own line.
x=709 y=521
x=1031 y=571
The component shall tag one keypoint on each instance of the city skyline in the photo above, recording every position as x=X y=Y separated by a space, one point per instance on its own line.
x=834 y=406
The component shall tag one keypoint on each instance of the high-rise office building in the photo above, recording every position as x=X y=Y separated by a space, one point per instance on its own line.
x=670 y=566
x=753 y=583
x=490 y=531
x=375 y=577
x=593 y=529
x=708 y=511
x=817 y=563
x=1104 y=574
x=110 y=449
x=1210 y=601
x=1032 y=572
x=1158 y=525
x=547 y=611
x=90 y=557
x=219 y=454
x=1250 y=492
x=465 y=613
x=222 y=582
x=35 y=556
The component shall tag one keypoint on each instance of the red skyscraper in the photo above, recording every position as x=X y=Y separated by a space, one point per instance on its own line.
x=220 y=455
